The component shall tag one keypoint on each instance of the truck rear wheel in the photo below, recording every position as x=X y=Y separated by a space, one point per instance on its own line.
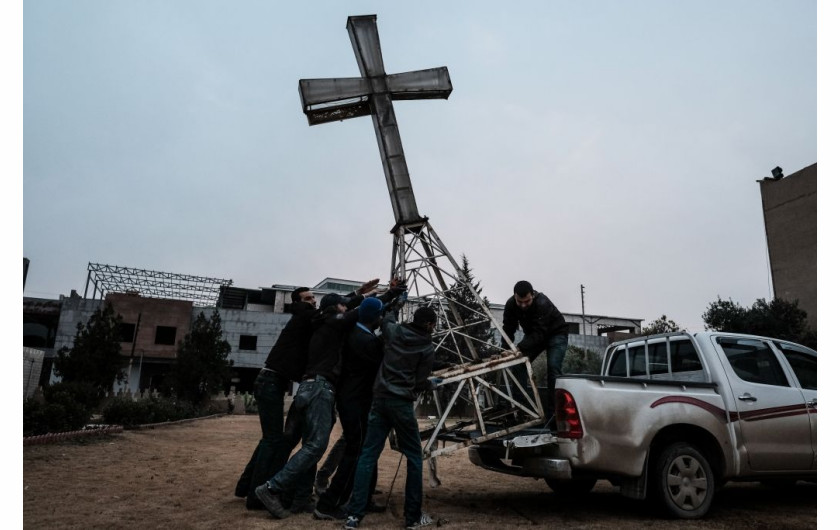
x=572 y=487
x=684 y=481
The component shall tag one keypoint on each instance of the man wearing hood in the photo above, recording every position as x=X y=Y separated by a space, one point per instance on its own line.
x=403 y=375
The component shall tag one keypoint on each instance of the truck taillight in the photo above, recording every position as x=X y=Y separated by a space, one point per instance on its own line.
x=566 y=412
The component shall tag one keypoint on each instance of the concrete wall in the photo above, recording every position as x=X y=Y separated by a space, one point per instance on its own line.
x=790 y=222
x=152 y=313
x=265 y=326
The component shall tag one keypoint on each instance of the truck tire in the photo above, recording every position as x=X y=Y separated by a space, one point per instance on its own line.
x=683 y=481
x=572 y=487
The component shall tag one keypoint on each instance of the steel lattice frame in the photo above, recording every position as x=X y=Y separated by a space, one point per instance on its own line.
x=420 y=257
x=201 y=291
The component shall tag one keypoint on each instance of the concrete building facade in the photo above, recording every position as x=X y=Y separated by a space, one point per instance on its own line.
x=790 y=223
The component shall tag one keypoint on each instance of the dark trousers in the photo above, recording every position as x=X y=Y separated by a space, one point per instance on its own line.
x=387 y=414
x=274 y=447
x=353 y=415
x=555 y=353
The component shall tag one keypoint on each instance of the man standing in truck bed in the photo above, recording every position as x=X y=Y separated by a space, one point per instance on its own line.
x=544 y=327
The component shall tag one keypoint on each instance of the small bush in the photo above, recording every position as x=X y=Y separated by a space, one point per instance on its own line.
x=81 y=392
x=129 y=413
x=62 y=413
x=581 y=361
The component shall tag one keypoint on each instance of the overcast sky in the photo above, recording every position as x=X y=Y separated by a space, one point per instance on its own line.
x=612 y=144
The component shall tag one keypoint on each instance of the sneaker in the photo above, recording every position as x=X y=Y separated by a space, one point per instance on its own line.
x=271 y=501
x=351 y=522
x=329 y=514
x=424 y=521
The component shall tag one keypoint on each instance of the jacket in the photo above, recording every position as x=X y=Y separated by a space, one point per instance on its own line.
x=540 y=321
x=288 y=355
x=406 y=363
x=329 y=328
x=360 y=362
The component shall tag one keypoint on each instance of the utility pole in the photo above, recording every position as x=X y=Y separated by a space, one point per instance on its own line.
x=582 y=310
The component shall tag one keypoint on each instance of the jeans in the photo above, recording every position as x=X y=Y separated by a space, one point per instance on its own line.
x=314 y=403
x=555 y=353
x=353 y=414
x=273 y=448
x=387 y=414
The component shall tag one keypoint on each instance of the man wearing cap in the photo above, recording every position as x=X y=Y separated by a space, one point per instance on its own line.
x=360 y=362
x=315 y=399
x=403 y=375
x=285 y=363
x=544 y=327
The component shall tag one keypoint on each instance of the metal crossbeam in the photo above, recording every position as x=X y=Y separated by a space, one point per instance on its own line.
x=326 y=100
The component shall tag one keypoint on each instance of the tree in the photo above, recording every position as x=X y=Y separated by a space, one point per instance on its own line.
x=661 y=325
x=202 y=367
x=778 y=318
x=477 y=325
x=95 y=356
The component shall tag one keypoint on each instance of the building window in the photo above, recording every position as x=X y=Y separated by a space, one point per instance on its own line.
x=248 y=342
x=127 y=332
x=165 y=335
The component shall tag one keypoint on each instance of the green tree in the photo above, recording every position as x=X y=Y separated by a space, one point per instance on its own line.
x=778 y=318
x=476 y=323
x=661 y=325
x=202 y=368
x=95 y=356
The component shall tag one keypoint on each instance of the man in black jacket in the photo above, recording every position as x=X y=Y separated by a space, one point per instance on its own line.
x=544 y=327
x=315 y=399
x=360 y=362
x=285 y=363
x=404 y=372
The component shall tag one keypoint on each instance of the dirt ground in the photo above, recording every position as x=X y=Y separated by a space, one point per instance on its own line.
x=183 y=476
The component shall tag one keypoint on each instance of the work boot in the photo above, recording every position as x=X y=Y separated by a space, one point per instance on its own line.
x=271 y=501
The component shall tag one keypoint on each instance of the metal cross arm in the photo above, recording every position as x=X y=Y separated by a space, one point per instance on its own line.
x=326 y=100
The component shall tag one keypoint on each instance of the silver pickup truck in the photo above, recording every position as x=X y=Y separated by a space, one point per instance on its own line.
x=673 y=417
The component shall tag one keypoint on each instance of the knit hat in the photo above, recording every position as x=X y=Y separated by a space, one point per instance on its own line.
x=424 y=315
x=333 y=299
x=370 y=310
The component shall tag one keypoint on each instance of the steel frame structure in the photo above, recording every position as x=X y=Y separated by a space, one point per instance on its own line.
x=432 y=276
x=419 y=256
x=200 y=290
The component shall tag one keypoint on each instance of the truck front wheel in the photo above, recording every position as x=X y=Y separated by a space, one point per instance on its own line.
x=684 y=481
x=571 y=488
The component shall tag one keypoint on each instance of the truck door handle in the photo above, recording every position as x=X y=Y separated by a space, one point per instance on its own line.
x=747 y=397
x=812 y=403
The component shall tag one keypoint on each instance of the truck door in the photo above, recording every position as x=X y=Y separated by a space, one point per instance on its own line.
x=772 y=412
x=803 y=364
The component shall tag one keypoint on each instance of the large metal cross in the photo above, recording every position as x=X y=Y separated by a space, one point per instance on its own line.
x=326 y=100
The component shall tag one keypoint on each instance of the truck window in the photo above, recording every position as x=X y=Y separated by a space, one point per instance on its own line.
x=803 y=363
x=753 y=361
x=618 y=364
x=637 y=361
x=684 y=357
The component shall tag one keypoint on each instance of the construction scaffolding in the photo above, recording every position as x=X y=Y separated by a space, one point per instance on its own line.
x=201 y=291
